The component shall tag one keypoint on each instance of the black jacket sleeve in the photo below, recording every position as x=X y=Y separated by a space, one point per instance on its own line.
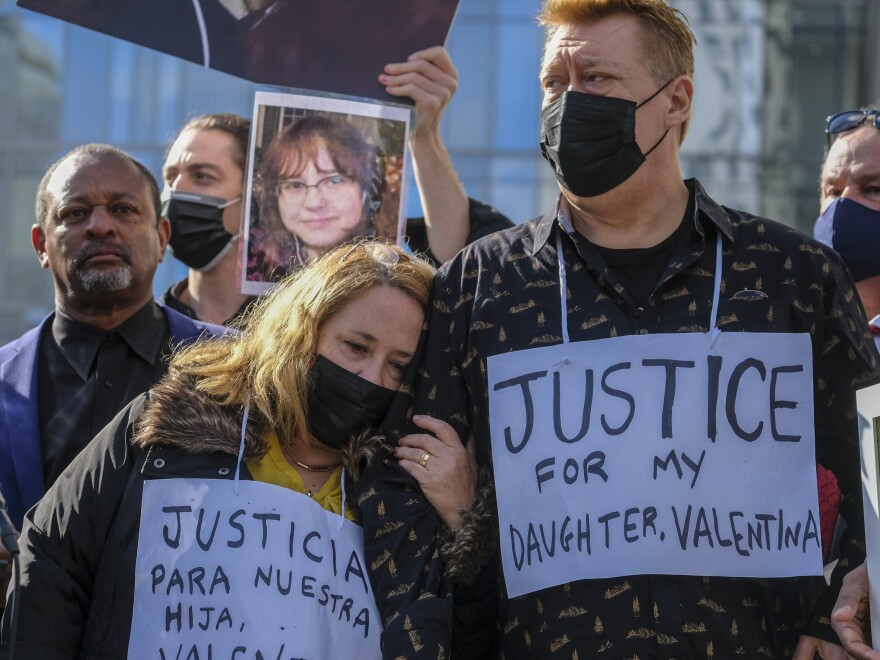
x=62 y=543
x=434 y=595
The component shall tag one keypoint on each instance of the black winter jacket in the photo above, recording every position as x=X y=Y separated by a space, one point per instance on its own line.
x=79 y=543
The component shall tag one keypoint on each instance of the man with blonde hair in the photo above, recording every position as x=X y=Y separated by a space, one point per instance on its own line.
x=631 y=255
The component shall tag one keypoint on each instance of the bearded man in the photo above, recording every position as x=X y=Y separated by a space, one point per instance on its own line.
x=100 y=232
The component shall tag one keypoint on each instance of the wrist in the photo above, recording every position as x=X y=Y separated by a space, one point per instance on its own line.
x=426 y=140
x=454 y=520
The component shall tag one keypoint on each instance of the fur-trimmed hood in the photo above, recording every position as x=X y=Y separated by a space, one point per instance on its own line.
x=178 y=414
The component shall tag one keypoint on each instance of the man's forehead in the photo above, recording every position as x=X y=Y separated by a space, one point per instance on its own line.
x=84 y=173
x=80 y=168
x=605 y=38
x=854 y=152
x=201 y=147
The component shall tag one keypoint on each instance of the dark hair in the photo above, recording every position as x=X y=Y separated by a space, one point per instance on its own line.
x=44 y=198
x=292 y=150
x=237 y=127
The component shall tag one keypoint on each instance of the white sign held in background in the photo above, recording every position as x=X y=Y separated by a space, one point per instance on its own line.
x=655 y=454
x=266 y=573
x=869 y=430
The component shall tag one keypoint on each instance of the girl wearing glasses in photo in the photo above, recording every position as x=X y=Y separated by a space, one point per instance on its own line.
x=318 y=185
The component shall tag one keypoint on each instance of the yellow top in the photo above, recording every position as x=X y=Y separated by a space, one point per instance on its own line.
x=274 y=468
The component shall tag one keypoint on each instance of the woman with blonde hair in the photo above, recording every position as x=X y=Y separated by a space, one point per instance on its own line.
x=317 y=362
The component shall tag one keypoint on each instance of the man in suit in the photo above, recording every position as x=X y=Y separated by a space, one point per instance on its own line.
x=100 y=232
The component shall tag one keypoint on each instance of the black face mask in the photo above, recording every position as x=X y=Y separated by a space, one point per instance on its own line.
x=340 y=403
x=198 y=237
x=591 y=141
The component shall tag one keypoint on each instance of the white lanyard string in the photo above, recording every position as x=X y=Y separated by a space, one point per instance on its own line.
x=342 y=513
x=714 y=330
x=244 y=421
x=563 y=287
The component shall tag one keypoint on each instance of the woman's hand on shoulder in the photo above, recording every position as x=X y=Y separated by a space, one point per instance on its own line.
x=444 y=467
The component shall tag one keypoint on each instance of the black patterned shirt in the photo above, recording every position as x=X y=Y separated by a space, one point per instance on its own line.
x=502 y=294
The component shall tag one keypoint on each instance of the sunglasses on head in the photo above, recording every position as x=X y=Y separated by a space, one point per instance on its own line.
x=378 y=250
x=847 y=121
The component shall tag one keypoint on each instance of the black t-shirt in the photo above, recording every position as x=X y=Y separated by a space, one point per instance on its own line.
x=639 y=269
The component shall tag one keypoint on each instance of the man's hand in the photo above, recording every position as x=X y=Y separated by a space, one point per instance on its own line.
x=851 y=617
x=429 y=78
x=809 y=648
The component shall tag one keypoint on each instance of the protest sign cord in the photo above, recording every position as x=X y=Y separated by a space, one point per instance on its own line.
x=714 y=330
x=563 y=287
x=244 y=421
x=342 y=512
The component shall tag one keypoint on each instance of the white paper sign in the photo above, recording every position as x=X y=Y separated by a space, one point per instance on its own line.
x=869 y=431
x=655 y=454
x=265 y=574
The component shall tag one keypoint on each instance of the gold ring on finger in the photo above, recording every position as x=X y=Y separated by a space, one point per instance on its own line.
x=425 y=457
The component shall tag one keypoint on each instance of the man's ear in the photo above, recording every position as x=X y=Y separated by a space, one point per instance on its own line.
x=681 y=96
x=163 y=230
x=38 y=238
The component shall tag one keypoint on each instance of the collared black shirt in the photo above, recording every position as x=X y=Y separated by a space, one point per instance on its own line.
x=87 y=375
x=502 y=295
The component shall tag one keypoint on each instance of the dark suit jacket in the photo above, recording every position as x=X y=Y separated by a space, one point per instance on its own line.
x=21 y=465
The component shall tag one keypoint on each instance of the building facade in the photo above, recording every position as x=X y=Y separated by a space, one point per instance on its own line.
x=767 y=74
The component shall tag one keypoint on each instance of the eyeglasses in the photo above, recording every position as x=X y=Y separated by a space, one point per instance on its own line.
x=295 y=191
x=847 y=121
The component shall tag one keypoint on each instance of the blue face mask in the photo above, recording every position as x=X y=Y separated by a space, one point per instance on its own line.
x=853 y=231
